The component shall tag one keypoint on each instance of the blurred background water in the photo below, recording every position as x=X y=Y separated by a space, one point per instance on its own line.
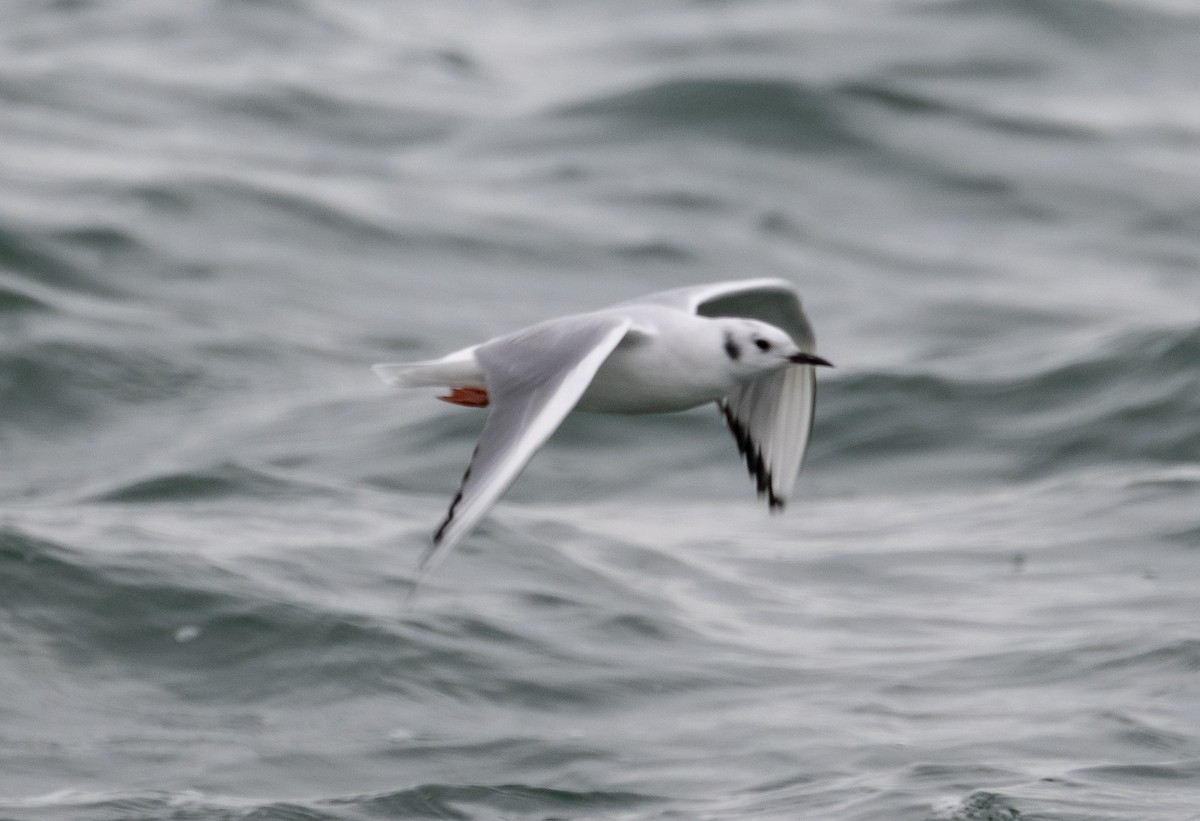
x=214 y=216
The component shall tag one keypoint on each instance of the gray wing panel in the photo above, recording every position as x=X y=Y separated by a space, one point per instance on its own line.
x=776 y=305
x=774 y=301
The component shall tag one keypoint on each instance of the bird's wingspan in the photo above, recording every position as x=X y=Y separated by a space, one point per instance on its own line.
x=534 y=379
x=771 y=416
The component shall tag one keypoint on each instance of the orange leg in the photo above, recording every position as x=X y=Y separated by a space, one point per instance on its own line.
x=467 y=397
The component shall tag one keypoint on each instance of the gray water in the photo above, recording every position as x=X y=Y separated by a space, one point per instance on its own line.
x=982 y=603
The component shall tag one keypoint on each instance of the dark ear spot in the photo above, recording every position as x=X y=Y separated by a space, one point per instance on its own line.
x=731 y=348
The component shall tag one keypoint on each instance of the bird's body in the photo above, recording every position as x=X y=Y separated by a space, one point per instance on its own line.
x=658 y=367
x=745 y=345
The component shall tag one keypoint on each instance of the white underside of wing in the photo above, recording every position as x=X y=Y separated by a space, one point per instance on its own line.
x=771 y=418
x=535 y=378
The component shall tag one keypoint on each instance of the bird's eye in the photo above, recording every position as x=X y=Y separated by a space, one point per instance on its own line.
x=763 y=345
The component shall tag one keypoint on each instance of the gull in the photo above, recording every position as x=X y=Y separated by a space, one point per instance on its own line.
x=745 y=345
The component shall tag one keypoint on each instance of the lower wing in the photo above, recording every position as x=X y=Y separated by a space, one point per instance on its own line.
x=771 y=418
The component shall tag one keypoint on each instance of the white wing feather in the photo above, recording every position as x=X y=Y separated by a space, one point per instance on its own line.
x=535 y=378
x=771 y=417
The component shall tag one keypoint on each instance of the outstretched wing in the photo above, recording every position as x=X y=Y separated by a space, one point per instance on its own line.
x=773 y=301
x=771 y=416
x=534 y=379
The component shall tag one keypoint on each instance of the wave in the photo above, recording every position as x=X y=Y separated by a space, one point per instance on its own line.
x=763 y=112
x=791 y=115
x=1097 y=23
x=47 y=384
x=472 y=801
x=451 y=801
x=263 y=630
x=198 y=629
x=228 y=480
x=1134 y=400
x=40 y=261
x=15 y=300
x=892 y=96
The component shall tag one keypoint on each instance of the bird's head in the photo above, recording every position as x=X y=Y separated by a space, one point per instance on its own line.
x=755 y=346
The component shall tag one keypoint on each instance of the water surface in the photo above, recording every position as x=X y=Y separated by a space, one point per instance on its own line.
x=982 y=603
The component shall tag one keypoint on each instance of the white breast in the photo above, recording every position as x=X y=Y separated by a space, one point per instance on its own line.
x=671 y=361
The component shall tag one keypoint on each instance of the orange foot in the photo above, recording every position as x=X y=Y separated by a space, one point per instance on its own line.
x=468 y=397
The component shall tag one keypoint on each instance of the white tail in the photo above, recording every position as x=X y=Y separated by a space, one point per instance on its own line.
x=402 y=374
x=459 y=369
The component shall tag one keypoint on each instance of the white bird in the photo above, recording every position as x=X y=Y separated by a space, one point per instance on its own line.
x=745 y=345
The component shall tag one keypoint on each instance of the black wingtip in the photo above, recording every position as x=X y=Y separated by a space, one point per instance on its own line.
x=430 y=549
x=438 y=534
x=764 y=482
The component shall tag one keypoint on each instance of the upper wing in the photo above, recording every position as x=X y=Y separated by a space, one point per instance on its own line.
x=535 y=378
x=771 y=416
x=773 y=301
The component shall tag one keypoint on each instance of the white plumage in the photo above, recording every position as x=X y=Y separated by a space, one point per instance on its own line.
x=746 y=345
